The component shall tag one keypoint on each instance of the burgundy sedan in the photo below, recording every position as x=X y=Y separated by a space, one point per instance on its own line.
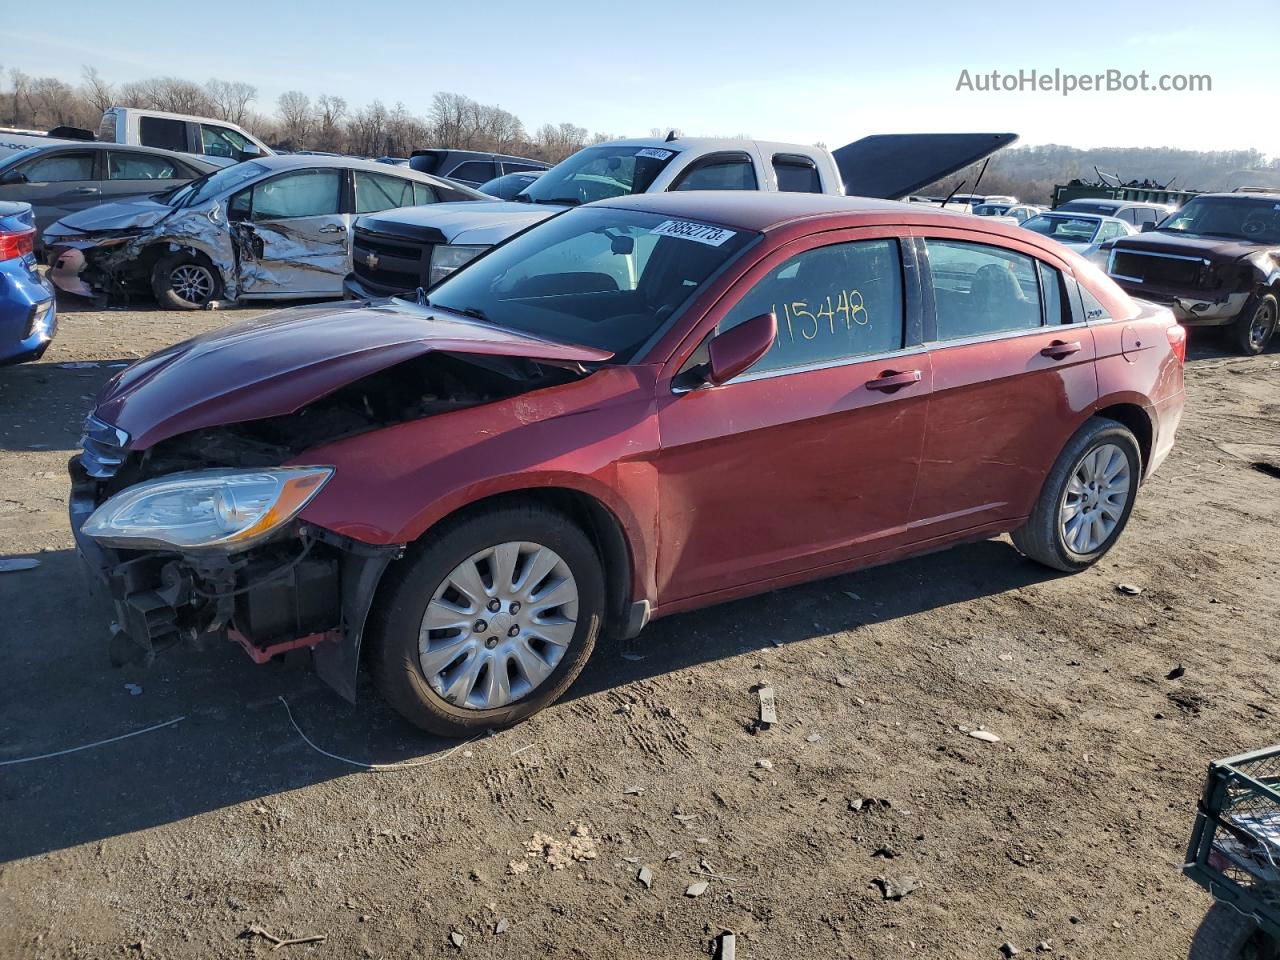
x=636 y=408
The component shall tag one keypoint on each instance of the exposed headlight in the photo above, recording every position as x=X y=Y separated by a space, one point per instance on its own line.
x=218 y=510
x=447 y=258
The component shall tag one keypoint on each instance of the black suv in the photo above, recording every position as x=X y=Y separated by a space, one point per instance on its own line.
x=469 y=166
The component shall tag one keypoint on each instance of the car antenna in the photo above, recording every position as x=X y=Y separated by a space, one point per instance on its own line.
x=954 y=191
x=671 y=135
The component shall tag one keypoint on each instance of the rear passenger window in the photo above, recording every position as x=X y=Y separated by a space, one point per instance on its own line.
x=474 y=171
x=832 y=303
x=160 y=132
x=1051 y=288
x=796 y=174
x=980 y=290
x=376 y=191
x=423 y=194
x=729 y=173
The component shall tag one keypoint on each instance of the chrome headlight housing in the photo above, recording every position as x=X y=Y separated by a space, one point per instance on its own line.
x=447 y=258
x=220 y=510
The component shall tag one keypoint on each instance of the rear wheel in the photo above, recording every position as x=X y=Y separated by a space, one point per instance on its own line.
x=1086 y=500
x=1255 y=326
x=492 y=619
x=181 y=281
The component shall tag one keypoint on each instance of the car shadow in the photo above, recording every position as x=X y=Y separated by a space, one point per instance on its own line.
x=45 y=404
x=235 y=741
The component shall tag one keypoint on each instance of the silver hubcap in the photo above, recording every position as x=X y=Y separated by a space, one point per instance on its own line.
x=192 y=282
x=498 y=625
x=1260 y=330
x=1095 y=498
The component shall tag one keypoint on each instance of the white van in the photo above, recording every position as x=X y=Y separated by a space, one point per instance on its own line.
x=217 y=141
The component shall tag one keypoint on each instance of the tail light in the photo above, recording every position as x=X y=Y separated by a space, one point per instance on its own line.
x=1177 y=334
x=16 y=243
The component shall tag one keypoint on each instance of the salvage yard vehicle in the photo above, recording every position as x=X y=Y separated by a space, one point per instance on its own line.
x=218 y=142
x=1233 y=854
x=273 y=228
x=1131 y=212
x=472 y=167
x=1082 y=232
x=28 y=315
x=1215 y=262
x=476 y=486
x=396 y=253
x=508 y=185
x=58 y=180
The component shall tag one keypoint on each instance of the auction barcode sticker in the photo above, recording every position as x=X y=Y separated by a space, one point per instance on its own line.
x=698 y=232
x=653 y=153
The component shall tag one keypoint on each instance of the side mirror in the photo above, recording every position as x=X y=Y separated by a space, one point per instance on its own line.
x=737 y=349
x=12 y=178
x=1147 y=226
x=250 y=152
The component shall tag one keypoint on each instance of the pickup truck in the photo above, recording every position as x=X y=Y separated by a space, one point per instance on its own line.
x=217 y=141
x=400 y=250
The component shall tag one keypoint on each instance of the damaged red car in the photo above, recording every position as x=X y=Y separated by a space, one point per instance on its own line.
x=635 y=408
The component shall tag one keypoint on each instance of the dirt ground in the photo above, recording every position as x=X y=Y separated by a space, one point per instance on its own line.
x=1066 y=834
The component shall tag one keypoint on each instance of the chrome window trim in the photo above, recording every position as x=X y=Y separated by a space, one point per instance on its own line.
x=811 y=367
x=1153 y=253
x=1003 y=335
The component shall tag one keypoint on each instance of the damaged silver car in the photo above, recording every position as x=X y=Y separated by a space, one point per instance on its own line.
x=274 y=228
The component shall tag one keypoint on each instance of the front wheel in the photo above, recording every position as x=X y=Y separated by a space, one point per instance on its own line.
x=491 y=620
x=181 y=281
x=1256 y=325
x=1086 y=499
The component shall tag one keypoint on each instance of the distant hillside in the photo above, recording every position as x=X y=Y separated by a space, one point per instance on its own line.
x=1030 y=172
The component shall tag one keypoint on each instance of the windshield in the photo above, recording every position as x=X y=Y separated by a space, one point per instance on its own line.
x=1065 y=229
x=597 y=277
x=1078 y=206
x=212 y=184
x=599 y=173
x=991 y=210
x=1238 y=218
x=16 y=158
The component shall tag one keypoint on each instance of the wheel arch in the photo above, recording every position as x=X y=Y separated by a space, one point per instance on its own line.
x=1135 y=417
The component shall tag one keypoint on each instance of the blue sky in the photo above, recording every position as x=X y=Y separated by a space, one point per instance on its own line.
x=802 y=72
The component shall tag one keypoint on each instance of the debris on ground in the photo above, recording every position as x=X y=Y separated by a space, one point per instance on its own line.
x=985 y=735
x=764 y=764
x=645 y=876
x=457 y=939
x=813 y=738
x=768 y=708
x=633 y=791
x=1176 y=672
x=560 y=853
x=696 y=889
x=845 y=680
x=728 y=947
x=1128 y=588
x=858 y=804
x=254 y=930
x=1008 y=949
x=16 y=564
x=895 y=888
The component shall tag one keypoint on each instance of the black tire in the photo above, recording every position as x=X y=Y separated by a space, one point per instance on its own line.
x=1042 y=538
x=182 y=281
x=1227 y=934
x=393 y=638
x=1256 y=325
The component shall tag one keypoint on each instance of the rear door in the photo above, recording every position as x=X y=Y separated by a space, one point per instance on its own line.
x=58 y=183
x=810 y=457
x=291 y=234
x=1012 y=377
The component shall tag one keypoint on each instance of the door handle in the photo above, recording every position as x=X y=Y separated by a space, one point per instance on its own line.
x=890 y=381
x=84 y=191
x=1060 y=349
x=333 y=228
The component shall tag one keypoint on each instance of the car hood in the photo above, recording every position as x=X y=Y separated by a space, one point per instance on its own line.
x=1188 y=245
x=273 y=365
x=461 y=222
x=126 y=215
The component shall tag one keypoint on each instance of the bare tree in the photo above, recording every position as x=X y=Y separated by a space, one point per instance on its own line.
x=331 y=113
x=96 y=90
x=230 y=99
x=295 y=114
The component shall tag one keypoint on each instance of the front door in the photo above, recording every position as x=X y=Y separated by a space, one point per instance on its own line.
x=292 y=240
x=58 y=183
x=810 y=457
x=1012 y=377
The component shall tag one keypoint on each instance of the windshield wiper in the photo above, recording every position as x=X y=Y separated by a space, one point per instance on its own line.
x=562 y=201
x=474 y=313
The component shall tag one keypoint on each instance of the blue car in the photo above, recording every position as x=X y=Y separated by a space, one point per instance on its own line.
x=27 y=313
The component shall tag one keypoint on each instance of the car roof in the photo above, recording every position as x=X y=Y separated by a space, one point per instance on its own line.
x=288 y=161
x=131 y=147
x=1271 y=196
x=761 y=210
x=1080 y=215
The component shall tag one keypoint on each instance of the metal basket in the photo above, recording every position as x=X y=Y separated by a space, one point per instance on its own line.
x=1235 y=846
